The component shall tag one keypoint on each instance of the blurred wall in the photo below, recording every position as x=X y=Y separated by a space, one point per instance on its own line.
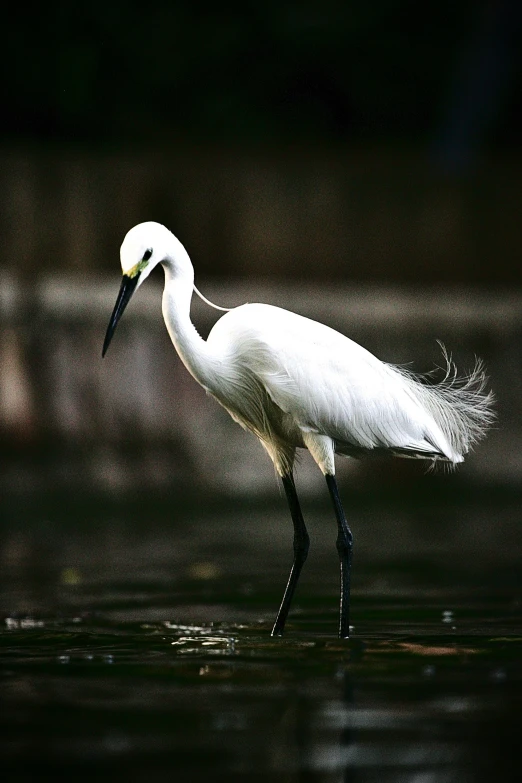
x=378 y=245
x=377 y=213
x=358 y=162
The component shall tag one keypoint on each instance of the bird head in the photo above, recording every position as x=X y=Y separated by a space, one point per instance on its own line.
x=143 y=248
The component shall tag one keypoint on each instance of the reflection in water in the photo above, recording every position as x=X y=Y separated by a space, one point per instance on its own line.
x=151 y=695
x=119 y=656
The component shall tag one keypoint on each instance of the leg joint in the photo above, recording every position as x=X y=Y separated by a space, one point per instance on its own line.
x=345 y=544
x=301 y=545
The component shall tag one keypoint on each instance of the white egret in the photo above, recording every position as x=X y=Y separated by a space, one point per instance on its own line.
x=296 y=383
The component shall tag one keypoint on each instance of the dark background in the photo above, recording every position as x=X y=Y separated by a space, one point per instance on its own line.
x=369 y=151
x=407 y=117
x=112 y=74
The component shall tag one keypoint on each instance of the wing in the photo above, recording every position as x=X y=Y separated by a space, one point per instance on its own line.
x=326 y=382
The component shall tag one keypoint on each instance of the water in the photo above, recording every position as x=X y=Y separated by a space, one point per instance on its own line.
x=136 y=640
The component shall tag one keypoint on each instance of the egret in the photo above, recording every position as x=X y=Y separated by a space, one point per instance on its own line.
x=296 y=383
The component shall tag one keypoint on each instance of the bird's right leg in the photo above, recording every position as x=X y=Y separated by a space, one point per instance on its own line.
x=301 y=545
x=321 y=448
x=344 y=548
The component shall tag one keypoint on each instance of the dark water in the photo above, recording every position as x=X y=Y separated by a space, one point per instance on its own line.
x=136 y=641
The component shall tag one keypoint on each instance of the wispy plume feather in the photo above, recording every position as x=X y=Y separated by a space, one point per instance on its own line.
x=459 y=404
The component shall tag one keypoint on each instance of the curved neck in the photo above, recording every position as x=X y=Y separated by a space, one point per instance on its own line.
x=192 y=349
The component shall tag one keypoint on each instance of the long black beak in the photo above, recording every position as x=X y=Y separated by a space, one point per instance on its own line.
x=127 y=288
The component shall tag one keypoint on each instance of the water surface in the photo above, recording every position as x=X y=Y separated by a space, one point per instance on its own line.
x=136 y=640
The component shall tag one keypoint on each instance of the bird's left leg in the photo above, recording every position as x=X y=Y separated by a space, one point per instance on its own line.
x=301 y=545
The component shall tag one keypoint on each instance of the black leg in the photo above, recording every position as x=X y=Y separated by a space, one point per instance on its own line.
x=301 y=545
x=344 y=547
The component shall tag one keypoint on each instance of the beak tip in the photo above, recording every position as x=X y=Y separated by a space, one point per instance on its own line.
x=128 y=286
x=105 y=348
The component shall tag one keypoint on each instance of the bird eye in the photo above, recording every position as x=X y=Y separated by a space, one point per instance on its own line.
x=147 y=254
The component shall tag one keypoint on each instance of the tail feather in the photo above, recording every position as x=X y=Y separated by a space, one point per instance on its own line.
x=460 y=405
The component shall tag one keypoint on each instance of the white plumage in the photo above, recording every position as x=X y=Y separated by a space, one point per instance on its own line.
x=297 y=383
x=294 y=381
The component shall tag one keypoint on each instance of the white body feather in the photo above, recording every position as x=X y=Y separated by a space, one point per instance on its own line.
x=297 y=383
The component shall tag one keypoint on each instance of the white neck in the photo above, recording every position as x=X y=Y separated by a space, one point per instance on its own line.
x=192 y=349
